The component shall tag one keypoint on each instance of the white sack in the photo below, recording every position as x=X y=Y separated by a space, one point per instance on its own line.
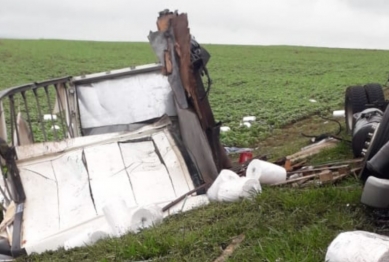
x=267 y=173
x=144 y=217
x=358 y=246
x=225 y=175
x=233 y=190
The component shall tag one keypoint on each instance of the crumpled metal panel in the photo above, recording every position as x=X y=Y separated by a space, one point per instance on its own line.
x=142 y=97
x=160 y=44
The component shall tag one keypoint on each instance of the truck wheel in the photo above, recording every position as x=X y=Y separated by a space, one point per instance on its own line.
x=365 y=124
x=355 y=102
x=374 y=93
x=379 y=139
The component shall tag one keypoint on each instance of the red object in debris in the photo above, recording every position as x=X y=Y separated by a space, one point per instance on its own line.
x=245 y=156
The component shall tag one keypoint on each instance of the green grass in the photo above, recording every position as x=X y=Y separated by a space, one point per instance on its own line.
x=275 y=85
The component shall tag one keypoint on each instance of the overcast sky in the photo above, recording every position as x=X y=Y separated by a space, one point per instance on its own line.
x=329 y=23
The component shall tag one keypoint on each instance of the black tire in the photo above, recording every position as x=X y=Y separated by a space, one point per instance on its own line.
x=374 y=93
x=381 y=137
x=355 y=102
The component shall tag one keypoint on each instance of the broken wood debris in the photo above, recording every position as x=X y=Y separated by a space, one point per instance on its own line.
x=178 y=200
x=298 y=159
x=322 y=174
x=230 y=248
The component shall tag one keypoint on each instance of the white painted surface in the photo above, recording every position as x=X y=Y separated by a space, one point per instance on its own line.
x=108 y=176
x=142 y=97
x=57 y=183
x=358 y=246
x=41 y=211
x=40 y=150
x=75 y=203
x=58 y=239
x=149 y=177
x=174 y=162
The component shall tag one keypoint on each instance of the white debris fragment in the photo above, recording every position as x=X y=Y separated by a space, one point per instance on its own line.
x=358 y=246
x=246 y=124
x=55 y=127
x=49 y=117
x=312 y=101
x=225 y=129
x=338 y=113
x=145 y=217
x=249 y=119
x=229 y=187
x=266 y=172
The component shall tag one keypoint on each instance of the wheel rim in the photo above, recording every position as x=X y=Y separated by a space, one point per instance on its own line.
x=349 y=115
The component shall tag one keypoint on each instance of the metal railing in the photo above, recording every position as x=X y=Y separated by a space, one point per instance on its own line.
x=39 y=112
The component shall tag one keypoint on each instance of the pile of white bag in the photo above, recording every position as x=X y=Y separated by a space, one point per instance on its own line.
x=230 y=187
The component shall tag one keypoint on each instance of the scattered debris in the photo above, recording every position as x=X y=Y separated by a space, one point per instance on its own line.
x=229 y=187
x=49 y=117
x=245 y=156
x=230 y=248
x=321 y=174
x=312 y=101
x=265 y=172
x=237 y=150
x=240 y=169
x=225 y=129
x=249 y=119
x=339 y=113
x=246 y=124
x=358 y=246
x=308 y=151
x=112 y=145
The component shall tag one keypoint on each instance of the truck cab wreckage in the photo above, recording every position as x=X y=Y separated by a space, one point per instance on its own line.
x=70 y=147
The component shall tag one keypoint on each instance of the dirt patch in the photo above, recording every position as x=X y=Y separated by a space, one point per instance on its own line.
x=290 y=139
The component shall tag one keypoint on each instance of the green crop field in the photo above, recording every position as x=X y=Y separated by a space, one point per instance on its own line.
x=273 y=83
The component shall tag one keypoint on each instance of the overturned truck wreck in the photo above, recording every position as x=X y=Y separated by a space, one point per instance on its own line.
x=73 y=145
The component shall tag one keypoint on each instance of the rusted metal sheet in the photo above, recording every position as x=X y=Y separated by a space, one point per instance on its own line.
x=190 y=77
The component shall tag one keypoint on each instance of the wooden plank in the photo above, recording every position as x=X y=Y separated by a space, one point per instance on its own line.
x=163 y=22
x=311 y=151
x=230 y=248
x=108 y=176
x=182 y=37
x=178 y=172
x=345 y=167
x=325 y=175
x=149 y=177
x=41 y=210
x=75 y=202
